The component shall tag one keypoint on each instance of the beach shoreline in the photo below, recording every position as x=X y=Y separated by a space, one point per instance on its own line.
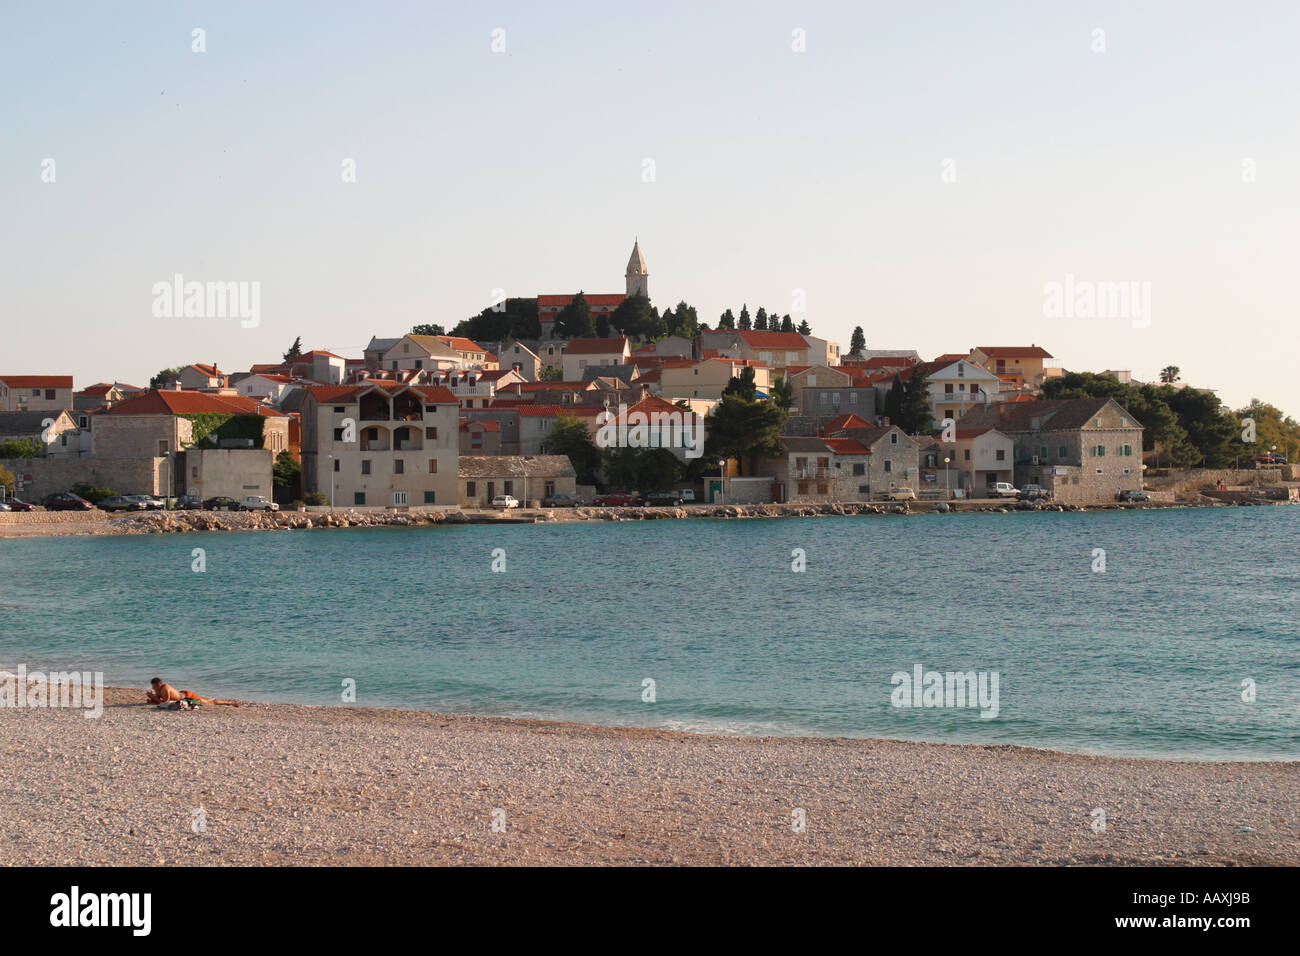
x=294 y=784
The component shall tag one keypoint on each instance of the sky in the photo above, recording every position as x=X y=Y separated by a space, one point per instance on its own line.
x=925 y=171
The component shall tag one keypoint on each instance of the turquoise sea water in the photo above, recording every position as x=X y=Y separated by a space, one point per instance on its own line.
x=1145 y=659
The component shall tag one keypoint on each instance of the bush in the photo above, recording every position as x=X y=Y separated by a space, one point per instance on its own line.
x=315 y=498
x=91 y=493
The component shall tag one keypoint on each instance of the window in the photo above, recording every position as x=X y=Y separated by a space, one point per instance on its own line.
x=470 y=489
x=966 y=454
x=429 y=498
x=1126 y=450
x=419 y=363
x=823 y=462
x=365 y=466
x=801 y=464
x=1063 y=452
x=399 y=498
x=812 y=381
x=825 y=398
x=889 y=465
x=394 y=364
x=406 y=347
x=893 y=438
x=822 y=488
x=853 y=398
x=507 y=487
x=864 y=489
x=430 y=432
x=475 y=440
x=961 y=370
x=338 y=434
x=83 y=422
x=974 y=388
x=194 y=471
x=548 y=489
x=803 y=487
x=162 y=448
x=433 y=466
x=372 y=434
x=49 y=394
x=1002 y=454
x=1099 y=451
x=358 y=497
x=63 y=439
x=947 y=389
x=399 y=466
x=339 y=409
x=859 y=469
x=336 y=464
x=835 y=398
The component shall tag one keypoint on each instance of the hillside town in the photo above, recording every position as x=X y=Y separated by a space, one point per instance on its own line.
x=599 y=398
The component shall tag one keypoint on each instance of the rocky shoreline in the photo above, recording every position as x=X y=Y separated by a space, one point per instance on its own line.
x=175 y=522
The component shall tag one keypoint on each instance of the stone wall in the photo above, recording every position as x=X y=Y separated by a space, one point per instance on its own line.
x=1189 y=481
x=125 y=476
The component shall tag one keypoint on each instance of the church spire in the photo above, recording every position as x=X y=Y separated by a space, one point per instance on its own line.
x=638 y=278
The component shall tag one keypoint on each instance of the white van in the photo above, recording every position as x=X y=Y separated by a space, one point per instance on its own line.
x=257 y=503
x=1003 y=490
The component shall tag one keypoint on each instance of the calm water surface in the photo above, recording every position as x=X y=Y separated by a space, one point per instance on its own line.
x=1146 y=659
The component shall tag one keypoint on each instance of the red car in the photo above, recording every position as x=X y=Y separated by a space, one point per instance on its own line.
x=617 y=499
x=17 y=505
x=67 y=501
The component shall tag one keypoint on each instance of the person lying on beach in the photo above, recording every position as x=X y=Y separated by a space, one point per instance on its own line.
x=164 y=693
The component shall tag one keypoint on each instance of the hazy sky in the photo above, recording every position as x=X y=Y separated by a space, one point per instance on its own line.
x=773 y=170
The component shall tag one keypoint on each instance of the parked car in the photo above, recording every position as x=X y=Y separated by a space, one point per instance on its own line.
x=258 y=503
x=16 y=504
x=505 y=502
x=688 y=496
x=221 y=503
x=560 y=501
x=901 y=494
x=5 y=507
x=67 y=501
x=1033 y=492
x=187 y=502
x=618 y=499
x=121 y=503
x=663 y=499
x=1131 y=495
x=1269 y=461
x=149 y=501
x=1003 y=490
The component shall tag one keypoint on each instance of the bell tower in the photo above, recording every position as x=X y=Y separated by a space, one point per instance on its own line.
x=638 y=279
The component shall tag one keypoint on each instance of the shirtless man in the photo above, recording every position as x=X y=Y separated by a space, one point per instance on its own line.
x=165 y=693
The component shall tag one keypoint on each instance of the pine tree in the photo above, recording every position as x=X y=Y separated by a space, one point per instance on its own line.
x=760 y=320
x=805 y=328
x=745 y=322
x=858 y=342
x=786 y=324
x=727 y=320
x=295 y=350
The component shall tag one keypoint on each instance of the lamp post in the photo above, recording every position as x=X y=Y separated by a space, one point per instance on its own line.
x=946 y=486
x=331 y=459
x=722 y=479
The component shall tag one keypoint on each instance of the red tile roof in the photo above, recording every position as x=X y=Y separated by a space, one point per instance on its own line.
x=485 y=423
x=596 y=298
x=773 y=340
x=175 y=402
x=846 y=421
x=461 y=344
x=1015 y=351
x=432 y=394
x=847 y=446
x=37 y=381
x=551 y=411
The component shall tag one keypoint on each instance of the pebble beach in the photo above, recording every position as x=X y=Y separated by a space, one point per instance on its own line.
x=274 y=784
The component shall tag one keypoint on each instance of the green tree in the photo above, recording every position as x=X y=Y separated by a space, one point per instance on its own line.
x=511 y=319
x=786 y=324
x=727 y=320
x=8 y=481
x=92 y=493
x=1169 y=374
x=602 y=326
x=760 y=320
x=1272 y=430
x=286 y=470
x=21 y=448
x=295 y=350
x=744 y=430
x=858 y=342
x=894 y=400
x=428 y=328
x=642 y=469
x=783 y=393
x=569 y=436
x=574 y=320
x=685 y=321
x=165 y=377
x=745 y=322
x=914 y=412
x=635 y=317
x=742 y=385
x=550 y=374
x=804 y=327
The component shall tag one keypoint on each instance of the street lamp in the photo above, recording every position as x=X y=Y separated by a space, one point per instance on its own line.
x=331 y=460
x=722 y=478
x=946 y=486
